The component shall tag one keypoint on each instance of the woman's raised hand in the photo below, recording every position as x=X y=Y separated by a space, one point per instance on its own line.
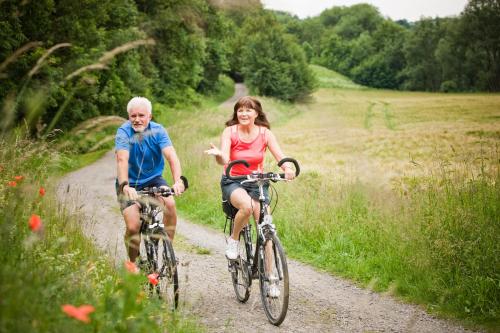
x=214 y=151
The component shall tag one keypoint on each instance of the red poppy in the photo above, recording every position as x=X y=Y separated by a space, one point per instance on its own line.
x=19 y=178
x=131 y=267
x=12 y=183
x=153 y=278
x=35 y=223
x=41 y=191
x=80 y=313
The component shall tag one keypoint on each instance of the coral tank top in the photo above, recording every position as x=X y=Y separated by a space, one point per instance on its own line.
x=253 y=152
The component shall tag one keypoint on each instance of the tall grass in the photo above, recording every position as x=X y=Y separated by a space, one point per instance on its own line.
x=436 y=245
x=44 y=269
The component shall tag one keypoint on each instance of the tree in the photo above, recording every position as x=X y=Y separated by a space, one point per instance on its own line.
x=383 y=57
x=217 y=31
x=273 y=63
x=423 y=71
x=482 y=31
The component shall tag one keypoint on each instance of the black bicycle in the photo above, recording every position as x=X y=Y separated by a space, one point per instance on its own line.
x=268 y=262
x=156 y=254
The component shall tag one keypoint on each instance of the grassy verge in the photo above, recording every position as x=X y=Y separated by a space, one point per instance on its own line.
x=47 y=262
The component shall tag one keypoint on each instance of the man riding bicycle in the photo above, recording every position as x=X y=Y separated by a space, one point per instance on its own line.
x=141 y=145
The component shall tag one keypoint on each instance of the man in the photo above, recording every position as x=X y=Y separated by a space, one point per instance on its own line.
x=141 y=146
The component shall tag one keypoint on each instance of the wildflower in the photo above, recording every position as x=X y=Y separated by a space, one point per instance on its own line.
x=153 y=278
x=35 y=223
x=19 y=178
x=12 y=183
x=131 y=267
x=80 y=313
x=41 y=191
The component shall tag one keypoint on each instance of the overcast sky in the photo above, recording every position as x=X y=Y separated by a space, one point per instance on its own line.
x=412 y=10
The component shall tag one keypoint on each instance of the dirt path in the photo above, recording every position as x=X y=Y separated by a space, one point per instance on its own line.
x=319 y=302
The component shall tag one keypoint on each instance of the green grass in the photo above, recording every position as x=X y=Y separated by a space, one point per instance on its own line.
x=331 y=79
x=43 y=270
x=404 y=200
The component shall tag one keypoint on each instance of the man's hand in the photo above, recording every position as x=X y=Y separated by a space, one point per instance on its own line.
x=178 y=187
x=130 y=192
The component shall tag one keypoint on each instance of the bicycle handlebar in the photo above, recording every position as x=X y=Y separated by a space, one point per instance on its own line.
x=164 y=191
x=269 y=175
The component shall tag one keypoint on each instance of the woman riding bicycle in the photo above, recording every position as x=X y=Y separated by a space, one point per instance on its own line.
x=246 y=137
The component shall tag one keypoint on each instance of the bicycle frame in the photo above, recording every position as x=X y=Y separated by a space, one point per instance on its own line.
x=264 y=226
x=151 y=220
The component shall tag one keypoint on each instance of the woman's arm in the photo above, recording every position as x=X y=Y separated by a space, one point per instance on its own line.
x=278 y=154
x=222 y=154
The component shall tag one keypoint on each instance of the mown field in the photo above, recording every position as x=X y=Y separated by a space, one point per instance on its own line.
x=399 y=190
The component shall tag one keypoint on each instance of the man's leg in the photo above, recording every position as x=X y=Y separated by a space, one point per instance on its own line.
x=132 y=237
x=169 y=216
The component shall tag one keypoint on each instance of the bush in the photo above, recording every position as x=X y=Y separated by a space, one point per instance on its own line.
x=448 y=86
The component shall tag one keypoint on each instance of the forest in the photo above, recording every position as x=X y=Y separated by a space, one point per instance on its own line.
x=80 y=59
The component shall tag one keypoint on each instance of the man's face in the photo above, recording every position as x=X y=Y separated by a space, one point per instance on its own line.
x=139 y=118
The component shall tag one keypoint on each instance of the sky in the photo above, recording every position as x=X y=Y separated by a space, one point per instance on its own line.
x=412 y=10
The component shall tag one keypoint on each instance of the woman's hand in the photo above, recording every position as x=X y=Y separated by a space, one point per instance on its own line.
x=214 y=151
x=289 y=173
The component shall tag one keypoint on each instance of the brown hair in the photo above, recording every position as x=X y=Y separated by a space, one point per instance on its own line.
x=251 y=103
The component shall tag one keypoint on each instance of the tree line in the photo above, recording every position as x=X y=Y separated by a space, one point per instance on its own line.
x=76 y=59
x=433 y=54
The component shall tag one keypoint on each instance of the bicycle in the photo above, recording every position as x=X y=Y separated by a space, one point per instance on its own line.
x=156 y=253
x=268 y=263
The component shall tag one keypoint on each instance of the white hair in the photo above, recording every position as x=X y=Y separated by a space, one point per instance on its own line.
x=139 y=101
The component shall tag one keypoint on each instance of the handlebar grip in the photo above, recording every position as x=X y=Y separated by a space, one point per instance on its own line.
x=295 y=163
x=233 y=163
x=186 y=183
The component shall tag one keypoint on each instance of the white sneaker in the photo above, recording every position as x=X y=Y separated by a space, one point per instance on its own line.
x=274 y=290
x=232 y=249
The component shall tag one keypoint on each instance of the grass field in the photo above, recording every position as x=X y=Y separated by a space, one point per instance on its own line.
x=399 y=190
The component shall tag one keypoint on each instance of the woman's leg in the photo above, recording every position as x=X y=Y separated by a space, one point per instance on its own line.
x=241 y=201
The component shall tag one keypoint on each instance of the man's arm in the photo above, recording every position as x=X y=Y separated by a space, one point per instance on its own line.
x=122 y=157
x=122 y=165
x=175 y=167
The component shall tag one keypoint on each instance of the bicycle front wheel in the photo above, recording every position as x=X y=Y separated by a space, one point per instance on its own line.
x=166 y=268
x=273 y=279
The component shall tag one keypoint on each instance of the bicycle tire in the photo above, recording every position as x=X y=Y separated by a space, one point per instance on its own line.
x=274 y=307
x=240 y=275
x=161 y=260
x=168 y=285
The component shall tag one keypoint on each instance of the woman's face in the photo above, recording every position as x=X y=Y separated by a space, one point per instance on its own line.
x=246 y=116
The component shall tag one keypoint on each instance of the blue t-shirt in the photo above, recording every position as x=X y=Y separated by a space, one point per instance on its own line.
x=145 y=158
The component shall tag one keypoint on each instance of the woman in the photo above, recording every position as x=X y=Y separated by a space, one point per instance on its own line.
x=246 y=137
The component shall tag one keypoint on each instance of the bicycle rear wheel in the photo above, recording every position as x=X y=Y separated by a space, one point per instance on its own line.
x=273 y=275
x=240 y=272
x=165 y=265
